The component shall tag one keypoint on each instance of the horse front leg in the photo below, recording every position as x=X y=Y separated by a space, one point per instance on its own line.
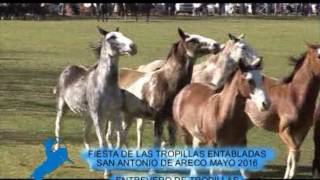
x=60 y=111
x=87 y=128
x=316 y=140
x=109 y=134
x=244 y=173
x=139 y=132
x=293 y=155
x=126 y=124
x=118 y=126
x=172 y=128
x=158 y=131
x=99 y=124
x=195 y=144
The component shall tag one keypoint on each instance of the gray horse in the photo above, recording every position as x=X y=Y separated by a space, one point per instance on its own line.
x=94 y=93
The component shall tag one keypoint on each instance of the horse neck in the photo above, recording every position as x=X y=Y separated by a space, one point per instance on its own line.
x=305 y=85
x=230 y=97
x=107 y=69
x=179 y=65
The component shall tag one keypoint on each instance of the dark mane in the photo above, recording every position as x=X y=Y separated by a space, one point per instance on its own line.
x=297 y=63
x=173 y=49
x=96 y=48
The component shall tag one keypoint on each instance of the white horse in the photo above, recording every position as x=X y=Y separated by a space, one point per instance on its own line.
x=94 y=93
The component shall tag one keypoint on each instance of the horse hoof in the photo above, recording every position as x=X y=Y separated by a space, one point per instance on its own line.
x=107 y=175
x=152 y=172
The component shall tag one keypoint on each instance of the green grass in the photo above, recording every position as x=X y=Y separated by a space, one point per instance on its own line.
x=33 y=53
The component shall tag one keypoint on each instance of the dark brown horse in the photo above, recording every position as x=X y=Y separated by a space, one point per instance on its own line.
x=218 y=119
x=293 y=105
x=134 y=9
x=316 y=139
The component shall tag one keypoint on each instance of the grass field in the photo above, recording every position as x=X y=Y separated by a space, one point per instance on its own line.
x=33 y=53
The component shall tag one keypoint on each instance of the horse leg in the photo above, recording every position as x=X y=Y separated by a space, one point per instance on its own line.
x=293 y=155
x=244 y=173
x=187 y=137
x=195 y=144
x=158 y=131
x=87 y=128
x=139 y=132
x=126 y=124
x=98 y=123
x=172 y=129
x=60 y=111
x=109 y=134
x=316 y=160
x=118 y=127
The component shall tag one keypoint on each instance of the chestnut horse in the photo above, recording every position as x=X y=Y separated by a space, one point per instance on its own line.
x=293 y=105
x=218 y=119
x=316 y=139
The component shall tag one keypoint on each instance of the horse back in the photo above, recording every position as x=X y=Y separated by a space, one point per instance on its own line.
x=128 y=76
x=189 y=104
x=70 y=75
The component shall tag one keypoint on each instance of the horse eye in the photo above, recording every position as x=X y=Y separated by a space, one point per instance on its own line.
x=251 y=82
x=112 y=37
x=194 y=41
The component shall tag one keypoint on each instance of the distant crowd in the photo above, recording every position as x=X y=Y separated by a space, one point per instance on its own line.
x=39 y=11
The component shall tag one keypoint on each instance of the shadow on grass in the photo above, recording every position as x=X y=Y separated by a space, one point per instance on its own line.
x=15 y=137
x=9 y=58
x=13 y=51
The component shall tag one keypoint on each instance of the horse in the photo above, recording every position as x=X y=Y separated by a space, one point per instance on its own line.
x=104 y=10
x=201 y=72
x=158 y=88
x=94 y=93
x=135 y=9
x=153 y=66
x=215 y=119
x=316 y=140
x=293 y=100
x=293 y=104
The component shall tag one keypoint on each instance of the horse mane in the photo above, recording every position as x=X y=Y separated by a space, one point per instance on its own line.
x=96 y=48
x=297 y=63
x=173 y=49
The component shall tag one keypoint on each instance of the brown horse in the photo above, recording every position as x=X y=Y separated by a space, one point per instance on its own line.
x=159 y=88
x=293 y=105
x=212 y=118
x=316 y=139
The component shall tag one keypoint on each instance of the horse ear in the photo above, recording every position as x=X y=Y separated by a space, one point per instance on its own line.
x=310 y=46
x=117 y=29
x=182 y=34
x=233 y=38
x=241 y=36
x=102 y=31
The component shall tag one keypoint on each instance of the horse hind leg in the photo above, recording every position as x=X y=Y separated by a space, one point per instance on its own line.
x=172 y=129
x=60 y=112
x=87 y=128
x=195 y=144
x=109 y=134
x=293 y=154
x=139 y=132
